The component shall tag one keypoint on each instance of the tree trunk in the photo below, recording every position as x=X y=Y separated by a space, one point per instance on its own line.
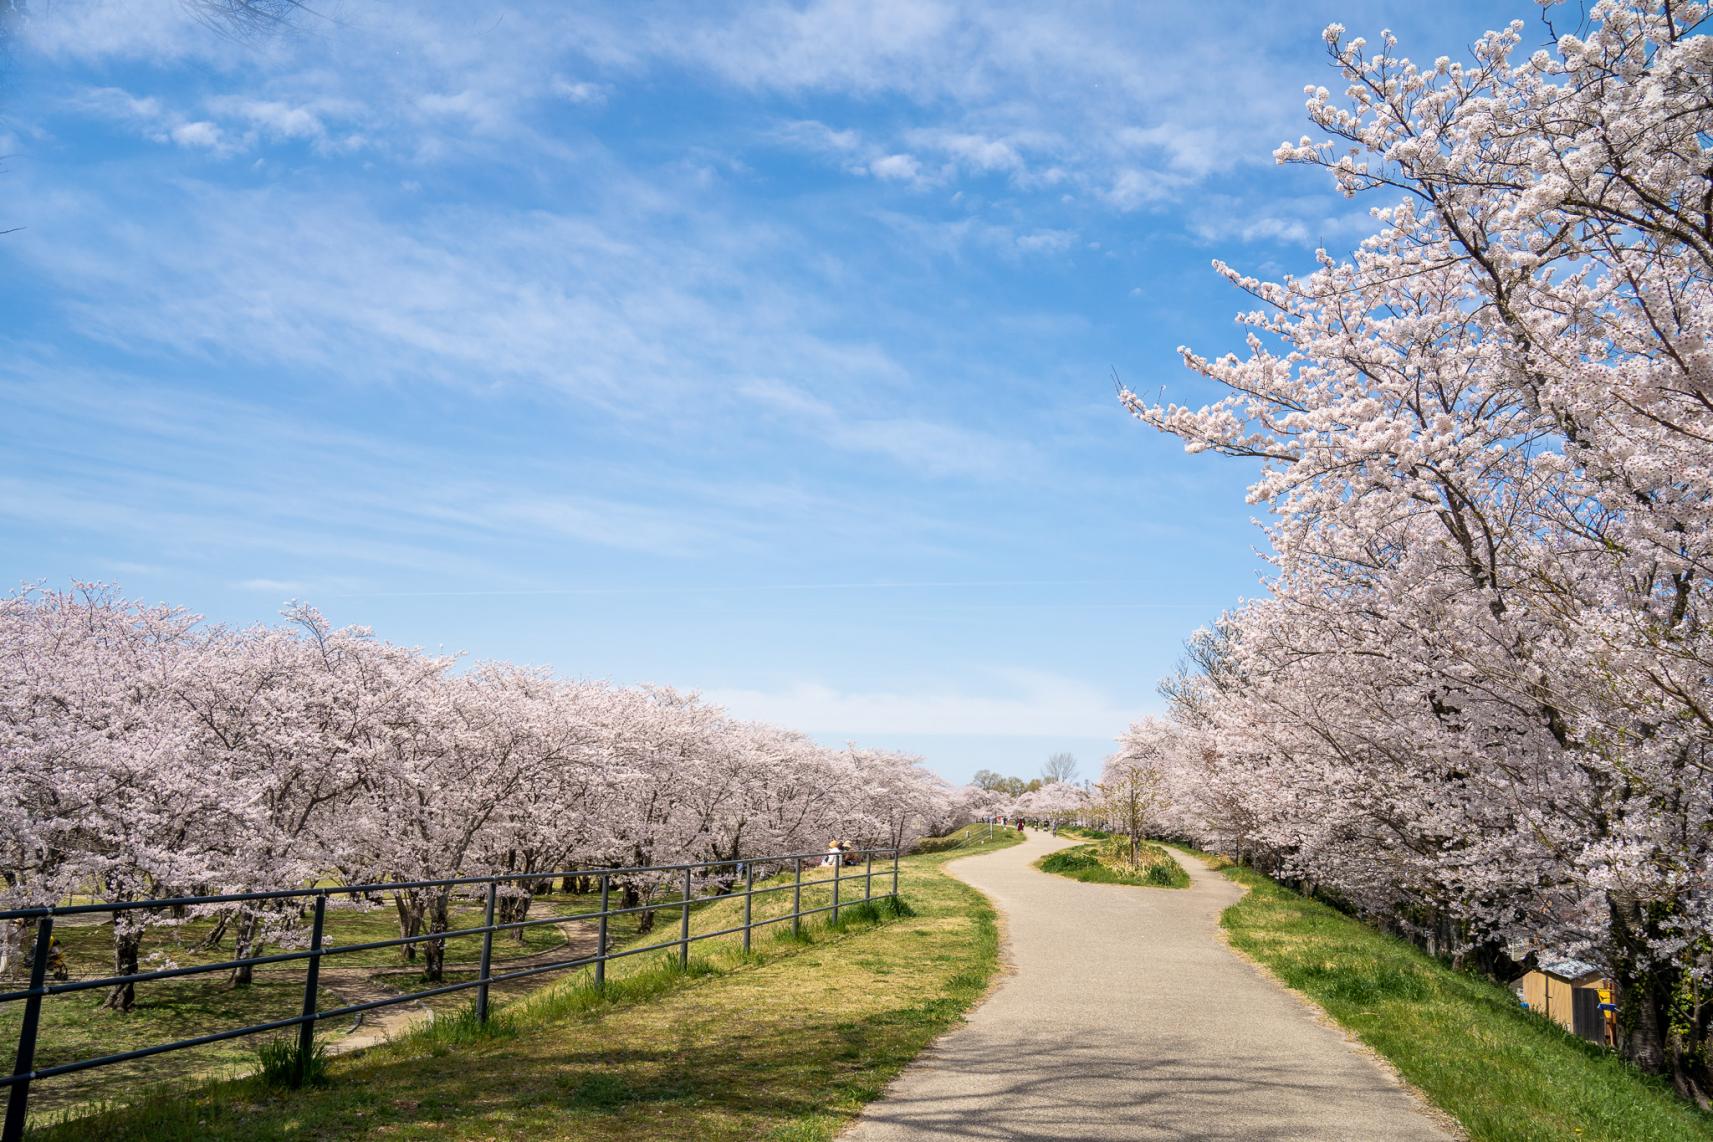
x=629 y=897
x=127 y=945
x=246 y=944
x=1642 y=989
x=218 y=933
x=514 y=909
x=410 y=922
x=434 y=951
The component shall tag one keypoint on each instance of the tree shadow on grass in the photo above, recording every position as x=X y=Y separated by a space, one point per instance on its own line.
x=731 y=1079
x=708 y=1076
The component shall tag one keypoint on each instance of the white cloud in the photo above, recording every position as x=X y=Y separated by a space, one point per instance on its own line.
x=118 y=104
x=597 y=520
x=1133 y=188
x=786 y=398
x=225 y=125
x=830 y=45
x=1020 y=702
x=982 y=154
x=272 y=586
x=629 y=306
x=932 y=447
x=94 y=31
x=581 y=92
x=151 y=118
x=896 y=168
x=959 y=236
x=201 y=134
x=1134 y=112
x=1047 y=241
x=1189 y=149
x=1046 y=98
x=282 y=120
x=816 y=137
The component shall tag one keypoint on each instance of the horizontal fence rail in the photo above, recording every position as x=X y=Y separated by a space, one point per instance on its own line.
x=489 y=889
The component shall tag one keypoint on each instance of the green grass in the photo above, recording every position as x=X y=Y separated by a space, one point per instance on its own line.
x=1107 y=861
x=1085 y=831
x=966 y=839
x=284 y=1063
x=76 y=1025
x=786 y=1042
x=1505 y=1074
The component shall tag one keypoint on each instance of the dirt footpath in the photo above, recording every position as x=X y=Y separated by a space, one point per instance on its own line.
x=1124 y=1016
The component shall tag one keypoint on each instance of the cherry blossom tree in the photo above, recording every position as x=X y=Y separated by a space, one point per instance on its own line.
x=1478 y=695
x=1058 y=801
x=94 y=761
x=1132 y=785
x=145 y=754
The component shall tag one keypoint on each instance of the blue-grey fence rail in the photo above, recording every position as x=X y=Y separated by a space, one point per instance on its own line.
x=25 y=1072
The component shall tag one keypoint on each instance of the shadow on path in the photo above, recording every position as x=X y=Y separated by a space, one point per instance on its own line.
x=1127 y=1017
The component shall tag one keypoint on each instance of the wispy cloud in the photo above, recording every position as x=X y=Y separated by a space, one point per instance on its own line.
x=1026 y=703
x=806 y=306
x=933 y=447
x=270 y=586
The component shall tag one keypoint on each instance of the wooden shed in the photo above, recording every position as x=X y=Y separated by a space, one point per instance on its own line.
x=1573 y=994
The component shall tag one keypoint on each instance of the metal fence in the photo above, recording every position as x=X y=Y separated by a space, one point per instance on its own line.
x=25 y=1072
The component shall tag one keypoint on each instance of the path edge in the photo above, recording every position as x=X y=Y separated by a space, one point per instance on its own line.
x=1440 y=1117
x=1004 y=968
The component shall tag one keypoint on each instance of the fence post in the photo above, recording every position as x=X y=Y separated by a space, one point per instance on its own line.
x=311 y=984
x=601 y=938
x=17 y=1105
x=487 y=955
x=838 y=869
x=748 y=900
x=797 y=901
x=684 y=926
x=868 y=878
x=894 y=872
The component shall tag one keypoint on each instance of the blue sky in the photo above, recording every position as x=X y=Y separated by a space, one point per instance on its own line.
x=764 y=350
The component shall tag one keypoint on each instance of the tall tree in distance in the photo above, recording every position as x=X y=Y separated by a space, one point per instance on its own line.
x=1060 y=767
x=1132 y=784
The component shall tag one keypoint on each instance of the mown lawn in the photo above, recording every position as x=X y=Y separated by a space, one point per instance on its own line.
x=786 y=1043
x=1107 y=861
x=1506 y=1075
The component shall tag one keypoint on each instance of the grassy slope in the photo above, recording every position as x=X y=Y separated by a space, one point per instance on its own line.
x=77 y=1026
x=1107 y=861
x=1463 y=1041
x=785 y=1044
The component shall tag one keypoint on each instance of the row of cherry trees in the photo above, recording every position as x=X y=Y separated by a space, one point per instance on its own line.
x=1477 y=698
x=145 y=754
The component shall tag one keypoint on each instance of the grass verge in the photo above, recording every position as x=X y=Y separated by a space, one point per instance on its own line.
x=786 y=1042
x=1107 y=861
x=76 y=1025
x=968 y=839
x=1463 y=1041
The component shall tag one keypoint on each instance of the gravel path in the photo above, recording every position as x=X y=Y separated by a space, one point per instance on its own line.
x=1125 y=1016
